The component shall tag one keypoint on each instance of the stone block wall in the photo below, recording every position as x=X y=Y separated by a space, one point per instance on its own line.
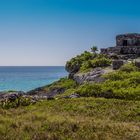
x=128 y=40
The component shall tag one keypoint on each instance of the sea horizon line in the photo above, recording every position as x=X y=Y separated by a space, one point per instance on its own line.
x=34 y=66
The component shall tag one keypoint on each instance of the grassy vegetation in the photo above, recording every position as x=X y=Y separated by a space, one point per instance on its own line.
x=76 y=119
x=63 y=83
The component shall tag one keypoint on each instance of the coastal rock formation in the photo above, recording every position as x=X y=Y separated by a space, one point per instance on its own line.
x=127 y=48
x=72 y=68
x=11 y=95
x=16 y=99
x=43 y=93
x=93 y=76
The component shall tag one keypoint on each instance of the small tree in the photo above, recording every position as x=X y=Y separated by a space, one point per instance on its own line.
x=94 y=49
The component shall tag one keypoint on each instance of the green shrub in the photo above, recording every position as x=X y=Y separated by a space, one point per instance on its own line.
x=86 y=66
x=117 y=75
x=100 y=62
x=129 y=68
x=89 y=90
x=75 y=63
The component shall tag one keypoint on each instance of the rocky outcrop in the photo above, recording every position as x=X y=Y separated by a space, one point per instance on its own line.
x=137 y=64
x=93 y=76
x=21 y=98
x=16 y=99
x=127 y=51
x=74 y=95
x=72 y=68
x=11 y=95
x=41 y=92
x=116 y=64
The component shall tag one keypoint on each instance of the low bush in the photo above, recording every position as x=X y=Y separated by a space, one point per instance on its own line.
x=89 y=90
x=100 y=62
x=129 y=68
x=86 y=66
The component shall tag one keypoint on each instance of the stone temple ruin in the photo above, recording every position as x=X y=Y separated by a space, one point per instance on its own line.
x=128 y=40
x=127 y=47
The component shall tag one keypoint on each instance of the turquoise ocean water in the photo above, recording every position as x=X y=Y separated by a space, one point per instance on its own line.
x=28 y=78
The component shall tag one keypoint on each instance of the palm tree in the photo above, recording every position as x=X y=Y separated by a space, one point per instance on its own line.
x=94 y=49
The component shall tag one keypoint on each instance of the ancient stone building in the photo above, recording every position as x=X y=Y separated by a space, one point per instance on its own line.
x=128 y=40
x=127 y=46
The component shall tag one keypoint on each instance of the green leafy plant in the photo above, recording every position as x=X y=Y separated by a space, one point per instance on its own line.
x=94 y=49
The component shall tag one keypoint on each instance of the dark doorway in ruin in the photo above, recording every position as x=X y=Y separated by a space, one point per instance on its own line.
x=125 y=43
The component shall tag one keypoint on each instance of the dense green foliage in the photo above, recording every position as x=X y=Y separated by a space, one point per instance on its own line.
x=76 y=119
x=87 y=61
x=100 y=61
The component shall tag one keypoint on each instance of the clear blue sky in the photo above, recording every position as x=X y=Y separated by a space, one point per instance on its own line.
x=49 y=32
